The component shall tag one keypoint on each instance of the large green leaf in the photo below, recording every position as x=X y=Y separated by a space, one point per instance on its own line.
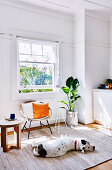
x=71 y=97
x=64 y=102
x=71 y=91
x=74 y=93
x=69 y=82
x=66 y=90
x=72 y=101
x=77 y=97
x=75 y=84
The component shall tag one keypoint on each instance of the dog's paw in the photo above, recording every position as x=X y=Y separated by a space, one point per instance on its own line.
x=35 y=152
x=33 y=145
x=82 y=151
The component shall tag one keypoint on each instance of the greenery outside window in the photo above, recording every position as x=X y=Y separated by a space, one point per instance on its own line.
x=38 y=65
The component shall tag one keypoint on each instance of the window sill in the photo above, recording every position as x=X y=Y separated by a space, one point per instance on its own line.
x=35 y=96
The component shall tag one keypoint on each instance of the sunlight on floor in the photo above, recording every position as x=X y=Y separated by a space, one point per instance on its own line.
x=82 y=128
x=31 y=140
x=39 y=139
x=101 y=128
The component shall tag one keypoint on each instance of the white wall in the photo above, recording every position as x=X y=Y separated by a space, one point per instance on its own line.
x=13 y=19
x=79 y=61
x=111 y=47
x=97 y=57
x=91 y=58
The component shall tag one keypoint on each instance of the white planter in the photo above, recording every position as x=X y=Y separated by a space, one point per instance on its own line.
x=72 y=118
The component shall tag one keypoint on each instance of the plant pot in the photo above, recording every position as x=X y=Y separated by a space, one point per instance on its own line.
x=71 y=118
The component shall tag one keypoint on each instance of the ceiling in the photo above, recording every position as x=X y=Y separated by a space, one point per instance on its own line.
x=70 y=6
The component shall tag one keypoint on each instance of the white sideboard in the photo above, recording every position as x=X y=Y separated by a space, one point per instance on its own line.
x=102 y=106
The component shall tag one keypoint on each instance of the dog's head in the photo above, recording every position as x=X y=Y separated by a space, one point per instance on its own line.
x=40 y=151
x=86 y=146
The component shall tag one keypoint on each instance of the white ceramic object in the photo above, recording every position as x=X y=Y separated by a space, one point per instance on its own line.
x=72 y=118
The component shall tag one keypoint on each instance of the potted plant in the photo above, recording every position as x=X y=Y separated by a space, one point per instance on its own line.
x=71 y=91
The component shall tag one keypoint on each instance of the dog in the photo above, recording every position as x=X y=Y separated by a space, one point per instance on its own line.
x=61 y=146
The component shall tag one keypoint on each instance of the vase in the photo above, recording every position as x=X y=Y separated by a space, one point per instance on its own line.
x=72 y=118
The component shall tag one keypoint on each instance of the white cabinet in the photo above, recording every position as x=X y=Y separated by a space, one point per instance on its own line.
x=102 y=106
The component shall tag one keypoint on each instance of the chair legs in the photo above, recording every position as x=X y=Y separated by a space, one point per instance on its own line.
x=49 y=126
x=41 y=124
x=29 y=128
x=24 y=127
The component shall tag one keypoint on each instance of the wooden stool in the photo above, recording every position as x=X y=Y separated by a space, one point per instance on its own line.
x=4 y=124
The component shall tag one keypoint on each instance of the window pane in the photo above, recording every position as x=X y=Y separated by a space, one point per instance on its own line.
x=49 y=52
x=37 y=65
x=31 y=58
x=36 y=74
x=25 y=58
x=43 y=59
x=36 y=49
x=24 y=48
x=34 y=58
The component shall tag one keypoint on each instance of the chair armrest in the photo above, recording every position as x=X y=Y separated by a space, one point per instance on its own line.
x=50 y=111
x=21 y=111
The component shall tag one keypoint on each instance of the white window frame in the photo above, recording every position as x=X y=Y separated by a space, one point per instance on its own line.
x=15 y=70
x=55 y=64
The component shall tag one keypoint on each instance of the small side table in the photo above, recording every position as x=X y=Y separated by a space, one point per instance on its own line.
x=4 y=124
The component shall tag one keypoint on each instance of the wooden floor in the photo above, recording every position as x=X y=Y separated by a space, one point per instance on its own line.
x=104 y=166
x=107 y=165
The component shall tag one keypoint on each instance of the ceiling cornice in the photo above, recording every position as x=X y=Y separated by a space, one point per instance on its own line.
x=56 y=4
x=99 y=4
x=35 y=9
x=97 y=15
x=61 y=15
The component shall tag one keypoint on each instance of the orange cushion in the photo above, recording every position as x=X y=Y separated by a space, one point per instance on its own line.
x=40 y=110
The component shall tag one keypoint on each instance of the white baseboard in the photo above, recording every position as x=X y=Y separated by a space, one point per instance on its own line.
x=86 y=121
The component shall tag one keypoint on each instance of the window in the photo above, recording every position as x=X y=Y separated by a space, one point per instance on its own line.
x=37 y=66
